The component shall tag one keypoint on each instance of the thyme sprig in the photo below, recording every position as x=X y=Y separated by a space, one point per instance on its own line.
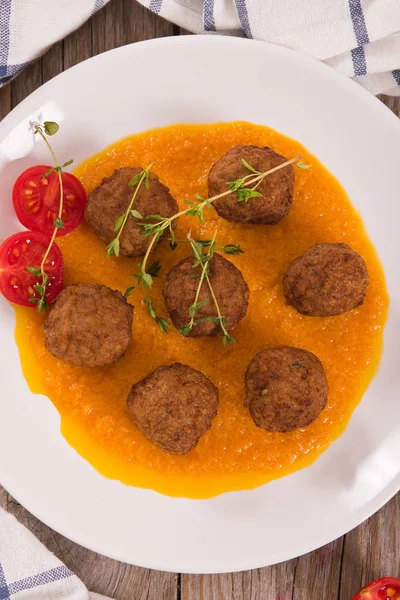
x=159 y=225
x=145 y=280
x=226 y=249
x=203 y=260
x=142 y=177
x=240 y=187
x=48 y=128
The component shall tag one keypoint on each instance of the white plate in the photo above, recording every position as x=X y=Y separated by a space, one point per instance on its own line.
x=200 y=79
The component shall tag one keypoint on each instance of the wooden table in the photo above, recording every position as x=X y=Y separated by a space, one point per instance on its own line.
x=334 y=572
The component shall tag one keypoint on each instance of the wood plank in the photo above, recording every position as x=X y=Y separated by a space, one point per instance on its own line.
x=100 y=574
x=301 y=579
x=52 y=62
x=27 y=82
x=392 y=102
x=372 y=550
x=141 y=24
x=5 y=101
x=271 y=583
x=318 y=572
x=108 y=27
x=78 y=46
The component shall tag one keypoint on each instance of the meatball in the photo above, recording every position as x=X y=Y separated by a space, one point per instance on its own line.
x=173 y=407
x=276 y=189
x=229 y=287
x=111 y=199
x=286 y=388
x=90 y=325
x=328 y=279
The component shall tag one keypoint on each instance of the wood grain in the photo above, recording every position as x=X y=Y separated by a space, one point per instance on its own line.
x=100 y=574
x=333 y=572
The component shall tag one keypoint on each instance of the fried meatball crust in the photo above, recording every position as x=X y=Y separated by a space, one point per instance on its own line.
x=89 y=325
x=276 y=189
x=173 y=407
x=327 y=280
x=285 y=388
x=229 y=286
x=110 y=200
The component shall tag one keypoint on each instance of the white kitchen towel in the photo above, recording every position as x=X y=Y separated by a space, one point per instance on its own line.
x=29 y=27
x=361 y=38
x=28 y=571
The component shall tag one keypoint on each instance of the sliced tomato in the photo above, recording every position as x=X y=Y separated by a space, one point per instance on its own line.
x=26 y=249
x=386 y=588
x=36 y=200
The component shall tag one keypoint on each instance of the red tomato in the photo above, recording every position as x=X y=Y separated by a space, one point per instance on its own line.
x=387 y=588
x=27 y=249
x=36 y=200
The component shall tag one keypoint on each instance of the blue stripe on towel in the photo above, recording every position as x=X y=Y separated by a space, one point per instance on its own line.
x=359 y=26
x=44 y=578
x=359 y=62
x=208 y=15
x=4 y=591
x=396 y=75
x=362 y=38
x=155 y=5
x=97 y=5
x=244 y=17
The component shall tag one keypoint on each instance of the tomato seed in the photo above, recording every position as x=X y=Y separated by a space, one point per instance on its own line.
x=32 y=183
x=24 y=247
x=31 y=290
x=13 y=281
x=28 y=192
x=45 y=181
x=70 y=197
x=16 y=252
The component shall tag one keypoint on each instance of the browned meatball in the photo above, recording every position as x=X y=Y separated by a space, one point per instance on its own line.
x=111 y=199
x=276 y=189
x=90 y=325
x=230 y=289
x=328 y=279
x=286 y=388
x=173 y=407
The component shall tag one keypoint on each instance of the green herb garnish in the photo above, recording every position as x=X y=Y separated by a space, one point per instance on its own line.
x=113 y=247
x=227 y=248
x=203 y=260
x=244 y=188
x=48 y=128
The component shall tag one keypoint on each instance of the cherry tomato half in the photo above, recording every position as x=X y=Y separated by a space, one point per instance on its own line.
x=387 y=588
x=36 y=200
x=27 y=249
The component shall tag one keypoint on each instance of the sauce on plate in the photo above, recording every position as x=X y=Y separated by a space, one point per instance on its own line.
x=234 y=454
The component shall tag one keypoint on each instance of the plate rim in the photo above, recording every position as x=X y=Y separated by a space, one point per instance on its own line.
x=12 y=119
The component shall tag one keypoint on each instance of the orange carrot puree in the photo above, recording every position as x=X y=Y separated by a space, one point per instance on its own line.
x=234 y=454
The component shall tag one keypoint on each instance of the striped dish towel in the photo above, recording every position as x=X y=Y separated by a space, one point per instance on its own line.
x=360 y=38
x=28 y=571
x=29 y=27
